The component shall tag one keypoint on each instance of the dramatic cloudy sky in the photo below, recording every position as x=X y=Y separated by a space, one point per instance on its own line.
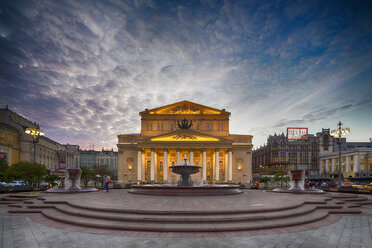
x=85 y=69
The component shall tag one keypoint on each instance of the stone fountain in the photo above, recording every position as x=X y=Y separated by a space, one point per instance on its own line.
x=297 y=184
x=72 y=182
x=185 y=170
x=185 y=187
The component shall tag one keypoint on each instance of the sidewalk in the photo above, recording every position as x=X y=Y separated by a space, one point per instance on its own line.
x=21 y=231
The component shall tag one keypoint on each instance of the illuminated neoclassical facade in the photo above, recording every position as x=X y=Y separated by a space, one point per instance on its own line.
x=146 y=157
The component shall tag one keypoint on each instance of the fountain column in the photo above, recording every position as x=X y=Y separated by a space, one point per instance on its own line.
x=217 y=166
x=139 y=166
x=204 y=164
x=178 y=156
x=152 y=166
x=165 y=166
x=229 y=165
x=191 y=156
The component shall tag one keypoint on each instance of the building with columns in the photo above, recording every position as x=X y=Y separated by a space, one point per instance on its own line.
x=355 y=163
x=171 y=132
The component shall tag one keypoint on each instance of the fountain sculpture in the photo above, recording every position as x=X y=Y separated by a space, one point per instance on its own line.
x=185 y=170
x=297 y=184
x=72 y=182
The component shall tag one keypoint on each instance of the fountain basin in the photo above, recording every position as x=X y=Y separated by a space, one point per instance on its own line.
x=176 y=190
x=185 y=171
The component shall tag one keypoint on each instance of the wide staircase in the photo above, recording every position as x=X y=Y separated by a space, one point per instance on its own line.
x=184 y=220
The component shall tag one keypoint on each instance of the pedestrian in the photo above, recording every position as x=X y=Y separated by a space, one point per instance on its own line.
x=107 y=181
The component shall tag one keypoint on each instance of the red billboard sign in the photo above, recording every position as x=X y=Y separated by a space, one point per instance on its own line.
x=4 y=155
x=61 y=161
x=297 y=133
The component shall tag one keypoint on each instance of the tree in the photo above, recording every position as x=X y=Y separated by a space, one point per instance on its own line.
x=265 y=180
x=3 y=167
x=279 y=176
x=30 y=172
x=286 y=180
x=86 y=174
x=51 y=178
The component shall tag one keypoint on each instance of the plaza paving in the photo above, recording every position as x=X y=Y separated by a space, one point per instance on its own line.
x=333 y=231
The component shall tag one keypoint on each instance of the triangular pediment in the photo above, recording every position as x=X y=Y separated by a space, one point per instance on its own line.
x=185 y=107
x=185 y=136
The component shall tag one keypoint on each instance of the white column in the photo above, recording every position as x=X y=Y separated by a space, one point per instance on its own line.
x=191 y=156
x=229 y=165
x=217 y=166
x=333 y=165
x=139 y=166
x=204 y=164
x=152 y=166
x=356 y=163
x=165 y=166
x=326 y=166
x=178 y=156
x=347 y=163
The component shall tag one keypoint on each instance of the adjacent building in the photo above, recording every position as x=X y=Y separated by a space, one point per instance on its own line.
x=107 y=157
x=17 y=146
x=279 y=152
x=184 y=129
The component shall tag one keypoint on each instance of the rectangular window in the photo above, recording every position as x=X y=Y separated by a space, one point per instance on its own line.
x=218 y=127
x=150 y=126
x=162 y=126
x=158 y=127
x=211 y=126
x=207 y=127
x=197 y=126
x=222 y=127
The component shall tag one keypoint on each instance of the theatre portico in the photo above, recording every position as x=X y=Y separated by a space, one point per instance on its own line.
x=171 y=132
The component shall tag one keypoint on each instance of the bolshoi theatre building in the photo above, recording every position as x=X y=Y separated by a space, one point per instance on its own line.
x=184 y=129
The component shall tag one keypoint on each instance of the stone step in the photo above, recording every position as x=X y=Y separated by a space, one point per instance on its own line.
x=196 y=218
x=216 y=226
x=24 y=210
x=14 y=199
x=178 y=211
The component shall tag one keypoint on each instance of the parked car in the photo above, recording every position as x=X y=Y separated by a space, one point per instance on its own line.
x=357 y=186
x=324 y=187
x=368 y=186
x=15 y=183
x=349 y=189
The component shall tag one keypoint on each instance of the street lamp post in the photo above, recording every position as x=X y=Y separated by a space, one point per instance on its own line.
x=36 y=132
x=340 y=131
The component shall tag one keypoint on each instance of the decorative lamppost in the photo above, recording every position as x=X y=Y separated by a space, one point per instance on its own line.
x=36 y=132
x=340 y=131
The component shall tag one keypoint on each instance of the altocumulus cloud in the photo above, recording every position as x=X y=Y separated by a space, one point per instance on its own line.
x=84 y=69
